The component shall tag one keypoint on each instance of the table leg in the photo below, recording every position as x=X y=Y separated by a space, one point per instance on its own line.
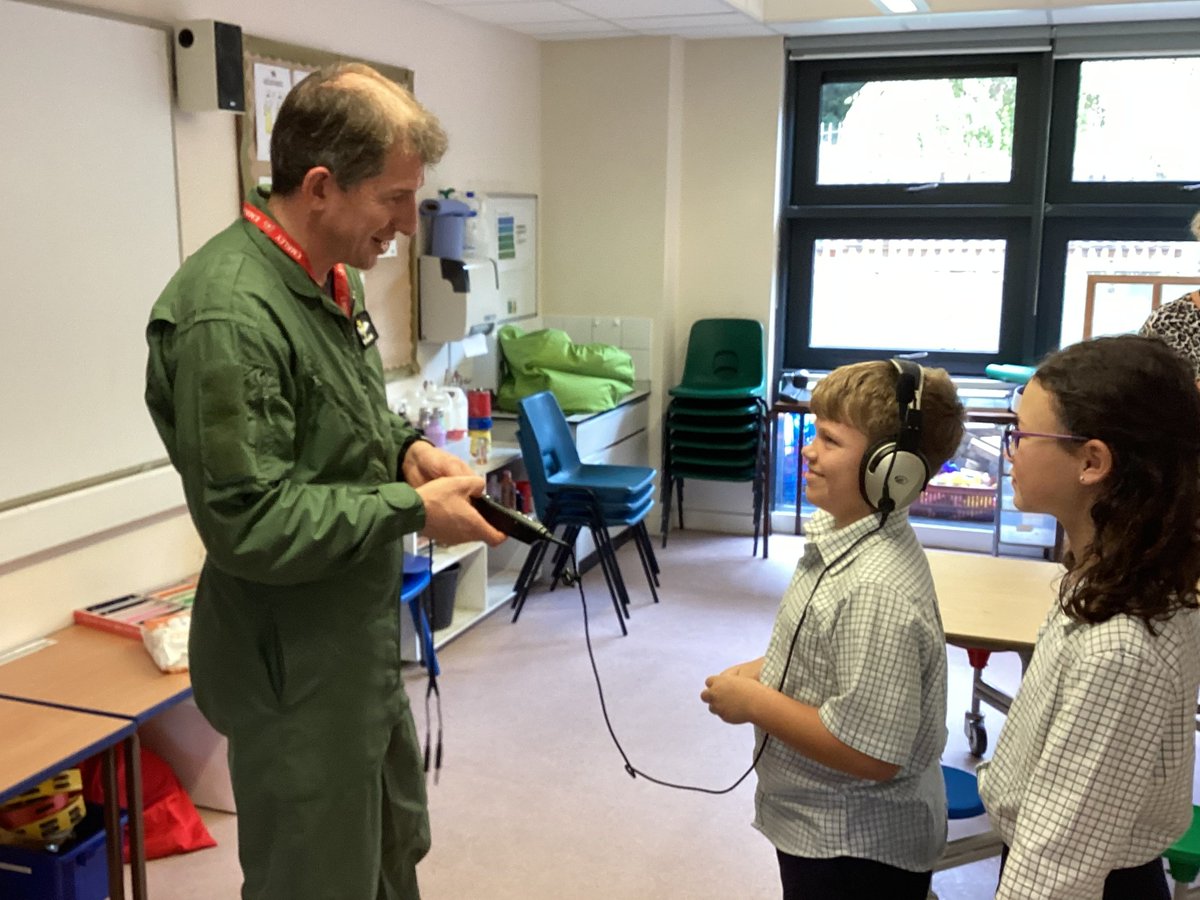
x=133 y=793
x=112 y=825
x=770 y=491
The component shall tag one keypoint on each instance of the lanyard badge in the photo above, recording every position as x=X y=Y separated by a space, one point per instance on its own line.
x=365 y=329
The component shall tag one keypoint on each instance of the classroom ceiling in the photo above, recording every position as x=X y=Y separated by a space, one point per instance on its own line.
x=578 y=19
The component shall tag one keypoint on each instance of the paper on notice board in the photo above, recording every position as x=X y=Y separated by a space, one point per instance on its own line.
x=271 y=84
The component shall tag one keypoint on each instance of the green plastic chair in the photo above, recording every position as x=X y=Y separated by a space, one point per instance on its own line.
x=726 y=358
x=1183 y=857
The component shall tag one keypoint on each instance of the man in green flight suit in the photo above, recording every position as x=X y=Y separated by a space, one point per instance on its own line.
x=266 y=387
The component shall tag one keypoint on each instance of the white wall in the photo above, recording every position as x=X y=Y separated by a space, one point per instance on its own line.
x=733 y=98
x=660 y=174
x=484 y=84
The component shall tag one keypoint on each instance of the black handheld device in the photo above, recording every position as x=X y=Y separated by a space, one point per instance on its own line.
x=513 y=523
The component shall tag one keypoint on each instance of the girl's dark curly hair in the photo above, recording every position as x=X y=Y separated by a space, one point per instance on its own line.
x=1137 y=396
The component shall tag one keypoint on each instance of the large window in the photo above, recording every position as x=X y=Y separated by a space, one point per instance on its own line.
x=973 y=206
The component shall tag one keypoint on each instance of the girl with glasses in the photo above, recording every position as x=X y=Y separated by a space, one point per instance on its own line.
x=1091 y=779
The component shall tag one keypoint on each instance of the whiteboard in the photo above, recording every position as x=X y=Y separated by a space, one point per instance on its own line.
x=89 y=236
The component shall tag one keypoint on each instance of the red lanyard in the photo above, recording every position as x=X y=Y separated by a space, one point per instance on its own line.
x=341 y=282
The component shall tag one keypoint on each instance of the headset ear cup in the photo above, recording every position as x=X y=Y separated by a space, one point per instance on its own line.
x=892 y=477
x=871 y=475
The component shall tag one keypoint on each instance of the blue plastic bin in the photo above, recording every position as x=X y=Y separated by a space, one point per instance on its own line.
x=80 y=872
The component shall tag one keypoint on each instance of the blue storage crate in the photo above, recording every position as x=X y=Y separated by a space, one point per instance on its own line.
x=79 y=872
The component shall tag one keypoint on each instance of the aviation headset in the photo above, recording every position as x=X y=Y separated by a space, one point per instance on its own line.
x=894 y=471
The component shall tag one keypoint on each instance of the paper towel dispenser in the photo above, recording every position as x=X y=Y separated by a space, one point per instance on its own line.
x=458 y=297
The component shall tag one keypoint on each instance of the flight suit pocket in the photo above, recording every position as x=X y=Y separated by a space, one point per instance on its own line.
x=271 y=648
x=245 y=425
x=226 y=427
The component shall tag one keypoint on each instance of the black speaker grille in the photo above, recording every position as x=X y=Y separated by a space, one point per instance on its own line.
x=231 y=86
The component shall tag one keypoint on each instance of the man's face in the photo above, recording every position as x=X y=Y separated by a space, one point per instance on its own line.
x=831 y=483
x=361 y=221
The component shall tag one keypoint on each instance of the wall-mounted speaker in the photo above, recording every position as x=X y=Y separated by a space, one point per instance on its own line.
x=208 y=66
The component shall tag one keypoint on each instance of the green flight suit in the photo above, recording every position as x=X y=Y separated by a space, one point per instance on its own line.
x=276 y=417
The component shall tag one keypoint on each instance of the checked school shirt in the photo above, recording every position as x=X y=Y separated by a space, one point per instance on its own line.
x=1093 y=769
x=871 y=657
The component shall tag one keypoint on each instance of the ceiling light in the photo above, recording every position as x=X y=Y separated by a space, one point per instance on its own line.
x=902 y=6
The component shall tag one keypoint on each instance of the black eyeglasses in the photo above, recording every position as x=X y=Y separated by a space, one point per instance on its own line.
x=1012 y=437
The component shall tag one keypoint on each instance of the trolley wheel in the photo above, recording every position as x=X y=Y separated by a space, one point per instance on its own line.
x=977 y=738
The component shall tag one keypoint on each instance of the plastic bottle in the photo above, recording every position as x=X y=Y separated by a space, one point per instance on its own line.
x=474 y=229
x=435 y=432
x=456 y=423
x=438 y=402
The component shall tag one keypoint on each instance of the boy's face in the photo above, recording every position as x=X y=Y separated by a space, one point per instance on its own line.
x=831 y=483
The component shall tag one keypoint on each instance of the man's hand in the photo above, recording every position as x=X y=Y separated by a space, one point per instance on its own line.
x=731 y=696
x=449 y=516
x=424 y=462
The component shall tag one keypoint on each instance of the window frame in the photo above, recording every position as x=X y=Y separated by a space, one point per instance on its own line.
x=1041 y=208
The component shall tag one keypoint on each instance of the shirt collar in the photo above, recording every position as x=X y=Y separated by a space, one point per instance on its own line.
x=826 y=542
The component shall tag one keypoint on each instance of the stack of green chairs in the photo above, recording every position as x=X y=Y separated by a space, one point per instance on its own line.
x=716 y=422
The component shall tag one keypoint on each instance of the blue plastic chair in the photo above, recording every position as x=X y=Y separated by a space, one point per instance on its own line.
x=962 y=794
x=576 y=495
x=962 y=802
x=417 y=578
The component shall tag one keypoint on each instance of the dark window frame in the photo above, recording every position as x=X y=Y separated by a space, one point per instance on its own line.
x=1040 y=207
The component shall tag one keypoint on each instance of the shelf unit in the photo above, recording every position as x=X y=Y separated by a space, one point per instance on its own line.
x=485 y=577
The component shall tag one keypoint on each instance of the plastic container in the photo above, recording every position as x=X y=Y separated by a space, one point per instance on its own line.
x=457 y=441
x=435 y=431
x=80 y=872
x=440 y=596
x=474 y=227
x=445 y=226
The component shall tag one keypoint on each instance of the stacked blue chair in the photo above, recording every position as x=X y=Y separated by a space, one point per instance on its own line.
x=716 y=426
x=575 y=495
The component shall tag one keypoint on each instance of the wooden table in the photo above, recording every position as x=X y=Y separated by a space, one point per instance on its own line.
x=991 y=603
x=44 y=741
x=91 y=671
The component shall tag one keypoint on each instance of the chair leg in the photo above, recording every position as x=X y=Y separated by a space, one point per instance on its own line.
x=612 y=578
x=679 y=500
x=643 y=535
x=562 y=555
x=756 y=503
x=607 y=552
x=668 y=484
x=525 y=579
x=650 y=578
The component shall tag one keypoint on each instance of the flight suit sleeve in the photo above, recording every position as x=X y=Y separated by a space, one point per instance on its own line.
x=236 y=423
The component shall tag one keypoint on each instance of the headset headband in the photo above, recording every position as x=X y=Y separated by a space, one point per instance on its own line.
x=910 y=384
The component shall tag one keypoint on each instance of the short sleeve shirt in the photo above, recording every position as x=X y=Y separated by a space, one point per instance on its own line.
x=869 y=653
x=1093 y=769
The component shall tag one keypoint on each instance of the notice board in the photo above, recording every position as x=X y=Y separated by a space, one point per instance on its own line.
x=270 y=69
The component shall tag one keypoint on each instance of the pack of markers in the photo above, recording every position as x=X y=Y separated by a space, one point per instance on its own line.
x=128 y=614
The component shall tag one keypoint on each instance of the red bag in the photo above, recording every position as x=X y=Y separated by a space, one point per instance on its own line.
x=171 y=823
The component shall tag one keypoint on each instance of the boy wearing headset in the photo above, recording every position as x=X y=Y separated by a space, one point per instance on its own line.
x=849 y=703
